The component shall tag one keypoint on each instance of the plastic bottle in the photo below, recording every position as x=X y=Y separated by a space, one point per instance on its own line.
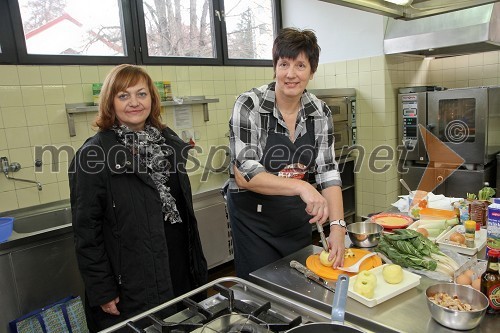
x=470 y=233
x=490 y=282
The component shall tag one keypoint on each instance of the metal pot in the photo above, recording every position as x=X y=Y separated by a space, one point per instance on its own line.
x=338 y=312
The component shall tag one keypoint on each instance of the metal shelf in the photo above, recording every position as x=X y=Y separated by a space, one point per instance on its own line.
x=77 y=108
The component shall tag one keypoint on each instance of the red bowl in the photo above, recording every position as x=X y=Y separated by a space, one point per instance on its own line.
x=392 y=221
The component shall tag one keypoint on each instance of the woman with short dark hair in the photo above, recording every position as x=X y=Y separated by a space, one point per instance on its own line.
x=284 y=176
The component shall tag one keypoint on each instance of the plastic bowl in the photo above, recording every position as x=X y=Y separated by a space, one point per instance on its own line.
x=455 y=319
x=6 y=226
x=365 y=234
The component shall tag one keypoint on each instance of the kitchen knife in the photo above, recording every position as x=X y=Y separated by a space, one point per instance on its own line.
x=311 y=275
x=322 y=235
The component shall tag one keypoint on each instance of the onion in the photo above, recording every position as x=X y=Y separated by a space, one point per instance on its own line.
x=423 y=231
x=457 y=238
x=463 y=279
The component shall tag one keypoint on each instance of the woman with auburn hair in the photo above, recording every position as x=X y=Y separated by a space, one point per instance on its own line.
x=136 y=235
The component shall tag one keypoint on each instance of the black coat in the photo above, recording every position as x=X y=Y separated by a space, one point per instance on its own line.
x=119 y=228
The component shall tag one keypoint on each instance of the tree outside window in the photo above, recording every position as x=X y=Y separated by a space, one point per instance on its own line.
x=179 y=28
x=167 y=31
x=72 y=27
x=186 y=28
x=249 y=26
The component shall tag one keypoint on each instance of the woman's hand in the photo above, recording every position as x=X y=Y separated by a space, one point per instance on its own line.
x=336 y=240
x=111 y=308
x=316 y=204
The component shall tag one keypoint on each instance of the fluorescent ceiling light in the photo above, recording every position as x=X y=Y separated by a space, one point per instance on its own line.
x=401 y=2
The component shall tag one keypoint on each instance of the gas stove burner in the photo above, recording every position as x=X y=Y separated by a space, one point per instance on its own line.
x=236 y=323
x=241 y=308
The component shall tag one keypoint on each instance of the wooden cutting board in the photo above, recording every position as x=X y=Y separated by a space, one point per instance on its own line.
x=313 y=263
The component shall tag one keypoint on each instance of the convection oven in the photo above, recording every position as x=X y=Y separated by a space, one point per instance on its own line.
x=465 y=120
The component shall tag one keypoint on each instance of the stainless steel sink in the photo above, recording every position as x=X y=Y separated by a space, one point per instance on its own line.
x=42 y=221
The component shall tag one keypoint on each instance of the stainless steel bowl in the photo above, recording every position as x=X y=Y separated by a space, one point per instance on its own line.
x=364 y=234
x=459 y=320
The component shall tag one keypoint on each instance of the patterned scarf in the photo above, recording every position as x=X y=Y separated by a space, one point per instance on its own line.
x=151 y=151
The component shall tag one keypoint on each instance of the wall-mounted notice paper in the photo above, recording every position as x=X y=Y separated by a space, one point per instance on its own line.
x=183 y=117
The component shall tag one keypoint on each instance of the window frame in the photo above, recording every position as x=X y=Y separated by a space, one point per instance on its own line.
x=135 y=41
x=8 y=54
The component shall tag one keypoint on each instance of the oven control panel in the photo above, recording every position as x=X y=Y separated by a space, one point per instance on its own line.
x=410 y=123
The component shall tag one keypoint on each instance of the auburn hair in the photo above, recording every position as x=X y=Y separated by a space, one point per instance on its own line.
x=118 y=80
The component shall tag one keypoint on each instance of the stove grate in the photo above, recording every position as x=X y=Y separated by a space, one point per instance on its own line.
x=195 y=317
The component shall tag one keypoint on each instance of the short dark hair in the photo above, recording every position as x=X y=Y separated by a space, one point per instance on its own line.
x=290 y=42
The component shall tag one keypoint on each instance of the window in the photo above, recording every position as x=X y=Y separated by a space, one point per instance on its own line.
x=249 y=29
x=179 y=29
x=179 y=32
x=72 y=31
x=233 y=32
x=73 y=27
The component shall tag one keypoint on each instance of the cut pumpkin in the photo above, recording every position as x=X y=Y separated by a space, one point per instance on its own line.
x=437 y=214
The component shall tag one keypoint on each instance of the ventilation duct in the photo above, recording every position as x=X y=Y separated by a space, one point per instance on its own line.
x=410 y=9
x=460 y=32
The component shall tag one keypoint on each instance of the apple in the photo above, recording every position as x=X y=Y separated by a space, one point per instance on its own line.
x=365 y=284
x=323 y=258
x=365 y=275
x=392 y=273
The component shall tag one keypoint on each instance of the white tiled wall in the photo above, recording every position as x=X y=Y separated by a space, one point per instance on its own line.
x=377 y=80
x=32 y=112
x=375 y=192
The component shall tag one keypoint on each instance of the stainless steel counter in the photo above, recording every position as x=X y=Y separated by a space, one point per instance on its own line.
x=406 y=312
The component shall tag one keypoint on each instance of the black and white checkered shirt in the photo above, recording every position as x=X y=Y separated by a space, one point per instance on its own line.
x=248 y=136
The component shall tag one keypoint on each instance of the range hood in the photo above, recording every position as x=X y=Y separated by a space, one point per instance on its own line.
x=460 y=32
x=410 y=9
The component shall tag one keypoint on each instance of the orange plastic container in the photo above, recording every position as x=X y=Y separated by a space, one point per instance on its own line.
x=436 y=214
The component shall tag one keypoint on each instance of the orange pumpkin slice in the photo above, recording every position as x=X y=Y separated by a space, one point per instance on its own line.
x=313 y=263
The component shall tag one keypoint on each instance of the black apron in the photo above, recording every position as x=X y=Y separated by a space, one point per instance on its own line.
x=266 y=228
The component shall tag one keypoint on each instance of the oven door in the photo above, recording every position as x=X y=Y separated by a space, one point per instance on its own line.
x=339 y=107
x=457 y=117
x=341 y=138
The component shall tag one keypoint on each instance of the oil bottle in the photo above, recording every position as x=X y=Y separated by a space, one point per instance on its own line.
x=490 y=282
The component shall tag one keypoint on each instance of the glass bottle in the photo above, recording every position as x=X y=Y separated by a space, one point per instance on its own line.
x=490 y=282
